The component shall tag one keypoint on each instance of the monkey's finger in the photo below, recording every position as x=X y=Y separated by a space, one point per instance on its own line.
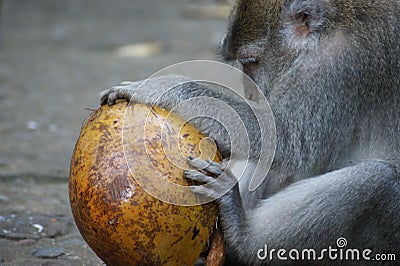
x=197 y=163
x=104 y=96
x=214 y=168
x=197 y=177
x=204 y=191
x=116 y=93
x=210 y=167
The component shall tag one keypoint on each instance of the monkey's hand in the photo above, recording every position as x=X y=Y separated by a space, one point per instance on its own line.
x=124 y=90
x=165 y=91
x=218 y=182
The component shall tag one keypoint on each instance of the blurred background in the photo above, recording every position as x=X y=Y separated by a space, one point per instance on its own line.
x=55 y=58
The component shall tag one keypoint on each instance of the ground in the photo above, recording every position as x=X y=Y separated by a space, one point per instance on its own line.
x=55 y=57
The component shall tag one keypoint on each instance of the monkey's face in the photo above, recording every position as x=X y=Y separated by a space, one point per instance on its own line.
x=267 y=36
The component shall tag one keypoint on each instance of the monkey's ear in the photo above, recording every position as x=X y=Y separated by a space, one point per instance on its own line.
x=303 y=22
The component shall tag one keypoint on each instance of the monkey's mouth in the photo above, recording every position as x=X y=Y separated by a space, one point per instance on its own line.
x=250 y=69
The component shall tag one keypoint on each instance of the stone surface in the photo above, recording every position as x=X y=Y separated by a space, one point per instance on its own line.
x=55 y=57
x=34 y=202
x=33 y=226
x=49 y=253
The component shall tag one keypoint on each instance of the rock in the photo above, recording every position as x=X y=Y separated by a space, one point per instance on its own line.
x=71 y=243
x=33 y=226
x=4 y=198
x=49 y=253
x=26 y=242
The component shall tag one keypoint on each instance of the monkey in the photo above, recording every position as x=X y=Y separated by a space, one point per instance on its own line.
x=330 y=70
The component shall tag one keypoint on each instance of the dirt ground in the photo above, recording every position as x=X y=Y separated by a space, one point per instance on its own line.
x=55 y=57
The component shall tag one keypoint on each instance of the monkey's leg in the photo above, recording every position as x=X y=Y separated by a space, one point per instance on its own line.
x=359 y=203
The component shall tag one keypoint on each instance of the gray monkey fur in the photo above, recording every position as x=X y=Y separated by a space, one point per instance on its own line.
x=331 y=73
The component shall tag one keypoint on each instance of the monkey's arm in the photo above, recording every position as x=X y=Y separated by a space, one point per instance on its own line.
x=314 y=212
x=194 y=99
